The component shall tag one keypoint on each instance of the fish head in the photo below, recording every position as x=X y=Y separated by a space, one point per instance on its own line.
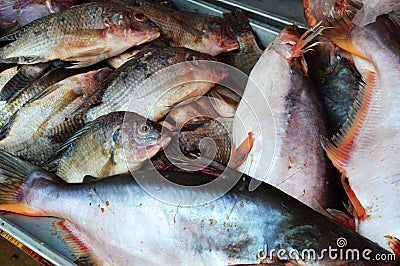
x=131 y=24
x=220 y=34
x=143 y=138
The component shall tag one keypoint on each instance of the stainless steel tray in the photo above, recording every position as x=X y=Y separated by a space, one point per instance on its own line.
x=35 y=235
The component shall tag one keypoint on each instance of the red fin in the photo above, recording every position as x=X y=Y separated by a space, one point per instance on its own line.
x=358 y=209
x=342 y=218
x=74 y=241
x=302 y=45
x=394 y=244
x=339 y=34
x=239 y=155
x=342 y=144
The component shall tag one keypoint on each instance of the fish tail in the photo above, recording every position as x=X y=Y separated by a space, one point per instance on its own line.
x=16 y=178
x=74 y=240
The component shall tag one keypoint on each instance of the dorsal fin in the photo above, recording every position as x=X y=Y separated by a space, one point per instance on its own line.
x=341 y=145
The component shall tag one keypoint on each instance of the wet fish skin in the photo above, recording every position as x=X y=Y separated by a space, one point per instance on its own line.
x=120 y=92
x=112 y=144
x=336 y=80
x=103 y=30
x=134 y=223
x=206 y=34
x=27 y=134
x=286 y=120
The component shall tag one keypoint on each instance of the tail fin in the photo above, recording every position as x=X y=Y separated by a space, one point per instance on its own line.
x=16 y=177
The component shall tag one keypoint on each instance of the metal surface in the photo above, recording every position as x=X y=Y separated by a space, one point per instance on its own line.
x=35 y=235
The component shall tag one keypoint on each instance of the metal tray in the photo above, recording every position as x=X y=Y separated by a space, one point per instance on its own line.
x=35 y=235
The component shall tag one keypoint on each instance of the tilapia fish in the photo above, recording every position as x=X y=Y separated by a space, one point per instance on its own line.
x=367 y=149
x=27 y=133
x=112 y=144
x=16 y=13
x=142 y=85
x=206 y=34
x=284 y=117
x=116 y=221
x=104 y=30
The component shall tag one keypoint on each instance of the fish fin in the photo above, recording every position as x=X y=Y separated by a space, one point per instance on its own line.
x=16 y=176
x=342 y=218
x=394 y=244
x=86 y=58
x=195 y=125
x=12 y=36
x=74 y=240
x=339 y=33
x=45 y=92
x=239 y=155
x=358 y=209
x=341 y=145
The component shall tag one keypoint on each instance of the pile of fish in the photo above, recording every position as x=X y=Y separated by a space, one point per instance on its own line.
x=118 y=118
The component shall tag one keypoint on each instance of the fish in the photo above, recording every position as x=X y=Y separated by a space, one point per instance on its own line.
x=316 y=11
x=104 y=30
x=30 y=87
x=281 y=112
x=26 y=134
x=125 y=220
x=146 y=86
x=16 y=13
x=336 y=80
x=368 y=145
x=250 y=51
x=116 y=143
x=202 y=33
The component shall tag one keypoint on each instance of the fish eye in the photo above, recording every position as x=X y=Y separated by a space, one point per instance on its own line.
x=144 y=128
x=211 y=24
x=191 y=58
x=164 y=3
x=140 y=17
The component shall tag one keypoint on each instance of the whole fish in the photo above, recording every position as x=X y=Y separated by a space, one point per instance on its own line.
x=27 y=134
x=116 y=222
x=367 y=149
x=142 y=85
x=249 y=52
x=336 y=80
x=206 y=34
x=283 y=115
x=112 y=144
x=103 y=30
x=16 y=13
